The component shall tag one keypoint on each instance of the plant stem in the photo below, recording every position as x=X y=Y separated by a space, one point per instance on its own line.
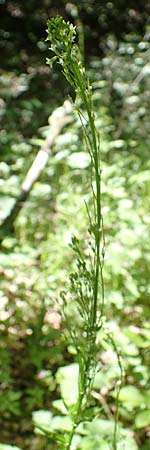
x=61 y=36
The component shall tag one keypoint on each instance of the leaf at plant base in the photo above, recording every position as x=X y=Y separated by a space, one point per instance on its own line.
x=100 y=427
x=59 y=404
x=100 y=380
x=142 y=419
x=42 y=418
x=89 y=415
x=61 y=423
x=67 y=378
x=76 y=441
x=89 y=443
x=8 y=447
x=100 y=435
x=131 y=397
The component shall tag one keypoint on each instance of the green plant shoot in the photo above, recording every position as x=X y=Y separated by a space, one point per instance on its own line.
x=85 y=291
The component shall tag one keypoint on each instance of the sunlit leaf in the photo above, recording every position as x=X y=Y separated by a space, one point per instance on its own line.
x=43 y=419
x=142 y=419
x=131 y=397
x=8 y=447
x=67 y=377
x=79 y=160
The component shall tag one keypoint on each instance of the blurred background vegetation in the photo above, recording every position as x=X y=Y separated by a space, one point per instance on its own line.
x=35 y=258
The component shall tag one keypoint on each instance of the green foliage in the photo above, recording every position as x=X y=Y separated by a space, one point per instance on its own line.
x=67 y=377
x=8 y=447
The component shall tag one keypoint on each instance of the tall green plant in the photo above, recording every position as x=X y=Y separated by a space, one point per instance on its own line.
x=85 y=292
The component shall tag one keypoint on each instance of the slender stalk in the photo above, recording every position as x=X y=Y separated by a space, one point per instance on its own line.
x=84 y=282
x=96 y=159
